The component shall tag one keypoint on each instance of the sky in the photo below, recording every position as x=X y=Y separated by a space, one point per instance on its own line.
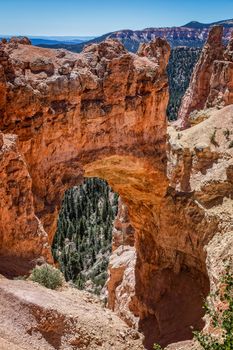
x=96 y=17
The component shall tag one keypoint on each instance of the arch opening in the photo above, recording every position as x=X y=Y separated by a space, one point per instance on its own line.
x=83 y=240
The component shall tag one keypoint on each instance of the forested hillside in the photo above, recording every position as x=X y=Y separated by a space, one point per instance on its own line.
x=180 y=68
x=82 y=243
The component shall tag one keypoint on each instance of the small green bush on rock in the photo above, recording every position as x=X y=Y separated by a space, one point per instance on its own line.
x=221 y=317
x=48 y=276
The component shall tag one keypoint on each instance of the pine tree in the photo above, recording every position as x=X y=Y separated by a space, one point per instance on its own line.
x=84 y=231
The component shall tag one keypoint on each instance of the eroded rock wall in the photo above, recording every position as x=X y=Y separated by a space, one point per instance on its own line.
x=211 y=83
x=121 y=281
x=23 y=238
x=206 y=168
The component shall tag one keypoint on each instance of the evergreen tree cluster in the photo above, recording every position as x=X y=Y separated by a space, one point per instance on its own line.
x=82 y=243
x=180 y=68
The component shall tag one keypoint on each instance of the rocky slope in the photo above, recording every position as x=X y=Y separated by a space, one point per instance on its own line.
x=211 y=82
x=193 y=34
x=37 y=318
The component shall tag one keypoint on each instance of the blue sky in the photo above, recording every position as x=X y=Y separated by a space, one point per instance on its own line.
x=95 y=17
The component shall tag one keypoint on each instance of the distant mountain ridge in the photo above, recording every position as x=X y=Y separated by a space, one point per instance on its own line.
x=194 y=24
x=192 y=34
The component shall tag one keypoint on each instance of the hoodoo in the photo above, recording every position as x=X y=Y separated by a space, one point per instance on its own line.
x=211 y=82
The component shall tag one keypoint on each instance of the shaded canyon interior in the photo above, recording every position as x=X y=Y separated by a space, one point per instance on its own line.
x=102 y=113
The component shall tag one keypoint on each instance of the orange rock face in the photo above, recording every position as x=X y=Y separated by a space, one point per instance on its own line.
x=197 y=94
x=211 y=83
x=23 y=238
x=121 y=282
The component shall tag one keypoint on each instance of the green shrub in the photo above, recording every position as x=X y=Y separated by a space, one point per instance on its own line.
x=47 y=276
x=157 y=347
x=221 y=319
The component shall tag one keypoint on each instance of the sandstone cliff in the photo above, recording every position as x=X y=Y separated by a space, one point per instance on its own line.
x=101 y=112
x=211 y=82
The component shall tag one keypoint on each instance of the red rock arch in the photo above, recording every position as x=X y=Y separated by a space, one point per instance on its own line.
x=100 y=113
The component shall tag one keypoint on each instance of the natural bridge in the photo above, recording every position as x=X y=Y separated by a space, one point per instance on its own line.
x=100 y=113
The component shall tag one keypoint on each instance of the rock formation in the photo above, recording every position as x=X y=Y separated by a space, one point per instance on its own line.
x=211 y=83
x=23 y=239
x=205 y=168
x=121 y=282
x=66 y=108
x=221 y=83
x=199 y=89
x=102 y=113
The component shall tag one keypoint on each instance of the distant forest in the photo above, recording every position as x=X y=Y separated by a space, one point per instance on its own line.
x=180 y=68
x=82 y=243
